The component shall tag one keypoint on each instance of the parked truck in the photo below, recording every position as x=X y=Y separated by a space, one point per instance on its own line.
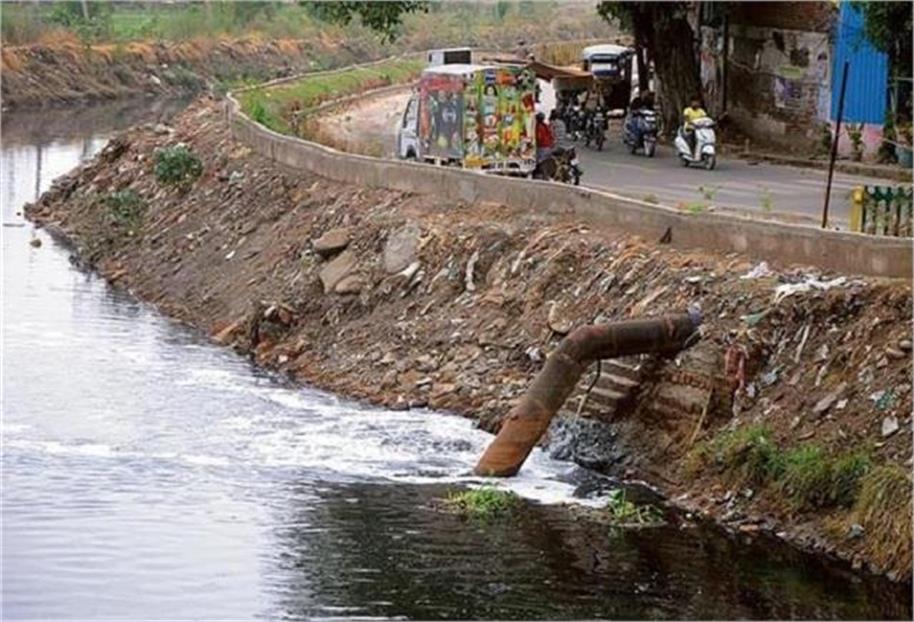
x=474 y=116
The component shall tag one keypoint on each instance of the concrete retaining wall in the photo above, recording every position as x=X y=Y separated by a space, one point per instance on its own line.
x=848 y=253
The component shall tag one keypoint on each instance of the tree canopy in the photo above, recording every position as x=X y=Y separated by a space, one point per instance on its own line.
x=887 y=25
x=381 y=16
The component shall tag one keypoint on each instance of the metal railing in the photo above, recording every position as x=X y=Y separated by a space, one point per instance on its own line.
x=882 y=210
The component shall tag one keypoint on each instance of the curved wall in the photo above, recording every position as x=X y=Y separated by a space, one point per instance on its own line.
x=844 y=252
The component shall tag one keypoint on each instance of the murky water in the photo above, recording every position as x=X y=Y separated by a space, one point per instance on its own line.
x=148 y=474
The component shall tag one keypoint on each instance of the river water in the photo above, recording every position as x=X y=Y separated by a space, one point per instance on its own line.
x=148 y=474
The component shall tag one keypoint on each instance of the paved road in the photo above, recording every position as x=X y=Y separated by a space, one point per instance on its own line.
x=783 y=192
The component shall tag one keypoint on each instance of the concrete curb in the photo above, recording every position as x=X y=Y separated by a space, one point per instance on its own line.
x=843 y=252
x=850 y=168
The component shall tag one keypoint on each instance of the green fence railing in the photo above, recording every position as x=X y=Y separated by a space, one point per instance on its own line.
x=882 y=210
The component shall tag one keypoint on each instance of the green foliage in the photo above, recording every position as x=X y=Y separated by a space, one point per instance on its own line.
x=847 y=473
x=383 y=17
x=90 y=20
x=125 y=209
x=177 y=165
x=482 y=503
x=806 y=475
x=883 y=508
x=621 y=511
x=284 y=108
x=888 y=26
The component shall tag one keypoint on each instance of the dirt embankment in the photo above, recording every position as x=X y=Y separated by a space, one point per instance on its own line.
x=41 y=75
x=405 y=301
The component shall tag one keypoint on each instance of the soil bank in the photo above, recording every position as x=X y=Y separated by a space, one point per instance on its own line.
x=407 y=301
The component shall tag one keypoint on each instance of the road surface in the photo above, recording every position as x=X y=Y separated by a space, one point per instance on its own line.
x=766 y=190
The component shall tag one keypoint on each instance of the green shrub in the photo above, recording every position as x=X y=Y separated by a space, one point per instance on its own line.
x=125 y=209
x=747 y=455
x=482 y=503
x=807 y=477
x=177 y=165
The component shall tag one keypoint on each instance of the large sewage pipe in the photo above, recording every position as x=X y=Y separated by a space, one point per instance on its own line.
x=530 y=417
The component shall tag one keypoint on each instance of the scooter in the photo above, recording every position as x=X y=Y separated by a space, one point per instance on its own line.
x=640 y=132
x=705 y=140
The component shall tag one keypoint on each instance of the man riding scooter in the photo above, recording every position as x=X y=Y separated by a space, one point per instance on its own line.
x=696 y=140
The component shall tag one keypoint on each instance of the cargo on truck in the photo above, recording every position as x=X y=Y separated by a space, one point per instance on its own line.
x=474 y=116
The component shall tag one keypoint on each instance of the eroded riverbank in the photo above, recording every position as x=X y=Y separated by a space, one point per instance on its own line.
x=453 y=306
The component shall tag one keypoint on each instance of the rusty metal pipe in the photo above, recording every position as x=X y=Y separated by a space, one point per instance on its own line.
x=530 y=417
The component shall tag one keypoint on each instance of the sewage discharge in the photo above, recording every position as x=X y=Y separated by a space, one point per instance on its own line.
x=530 y=417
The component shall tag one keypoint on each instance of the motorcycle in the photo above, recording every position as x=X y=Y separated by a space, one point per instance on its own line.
x=704 y=151
x=574 y=122
x=640 y=132
x=562 y=166
x=595 y=130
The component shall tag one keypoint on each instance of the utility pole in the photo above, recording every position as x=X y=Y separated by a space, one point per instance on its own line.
x=834 y=144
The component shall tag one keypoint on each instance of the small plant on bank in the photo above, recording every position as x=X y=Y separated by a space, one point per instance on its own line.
x=482 y=503
x=883 y=508
x=746 y=455
x=177 y=166
x=825 y=138
x=767 y=201
x=650 y=198
x=855 y=133
x=708 y=192
x=621 y=511
x=806 y=480
x=806 y=476
x=125 y=209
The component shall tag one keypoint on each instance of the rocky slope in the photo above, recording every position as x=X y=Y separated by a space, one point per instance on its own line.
x=406 y=301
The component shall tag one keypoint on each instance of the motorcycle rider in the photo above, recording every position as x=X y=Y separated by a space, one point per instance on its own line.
x=545 y=140
x=690 y=114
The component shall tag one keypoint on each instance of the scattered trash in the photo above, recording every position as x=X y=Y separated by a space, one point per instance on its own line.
x=889 y=426
x=788 y=289
x=760 y=271
x=855 y=531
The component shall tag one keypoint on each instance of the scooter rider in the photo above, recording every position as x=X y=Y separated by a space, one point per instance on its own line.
x=692 y=113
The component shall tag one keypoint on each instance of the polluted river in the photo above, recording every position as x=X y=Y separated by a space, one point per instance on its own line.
x=148 y=473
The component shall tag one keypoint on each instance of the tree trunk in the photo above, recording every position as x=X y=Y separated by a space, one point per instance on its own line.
x=676 y=67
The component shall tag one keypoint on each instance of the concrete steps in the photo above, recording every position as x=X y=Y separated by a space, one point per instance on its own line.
x=614 y=389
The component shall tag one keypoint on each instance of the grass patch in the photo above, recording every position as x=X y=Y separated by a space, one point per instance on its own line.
x=482 y=503
x=806 y=478
x=806 y=475
x=883 y=508
x=284 y=108
x=745 y=455
x=622 y=512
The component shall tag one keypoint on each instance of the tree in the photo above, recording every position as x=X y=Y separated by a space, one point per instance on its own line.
x=663 y=30
x=381 y=16
x=887 y=25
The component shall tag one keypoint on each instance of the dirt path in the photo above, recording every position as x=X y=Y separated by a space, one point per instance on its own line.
x=367 y=126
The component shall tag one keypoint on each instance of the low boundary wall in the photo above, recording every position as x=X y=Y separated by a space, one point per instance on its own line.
x=844 y=252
